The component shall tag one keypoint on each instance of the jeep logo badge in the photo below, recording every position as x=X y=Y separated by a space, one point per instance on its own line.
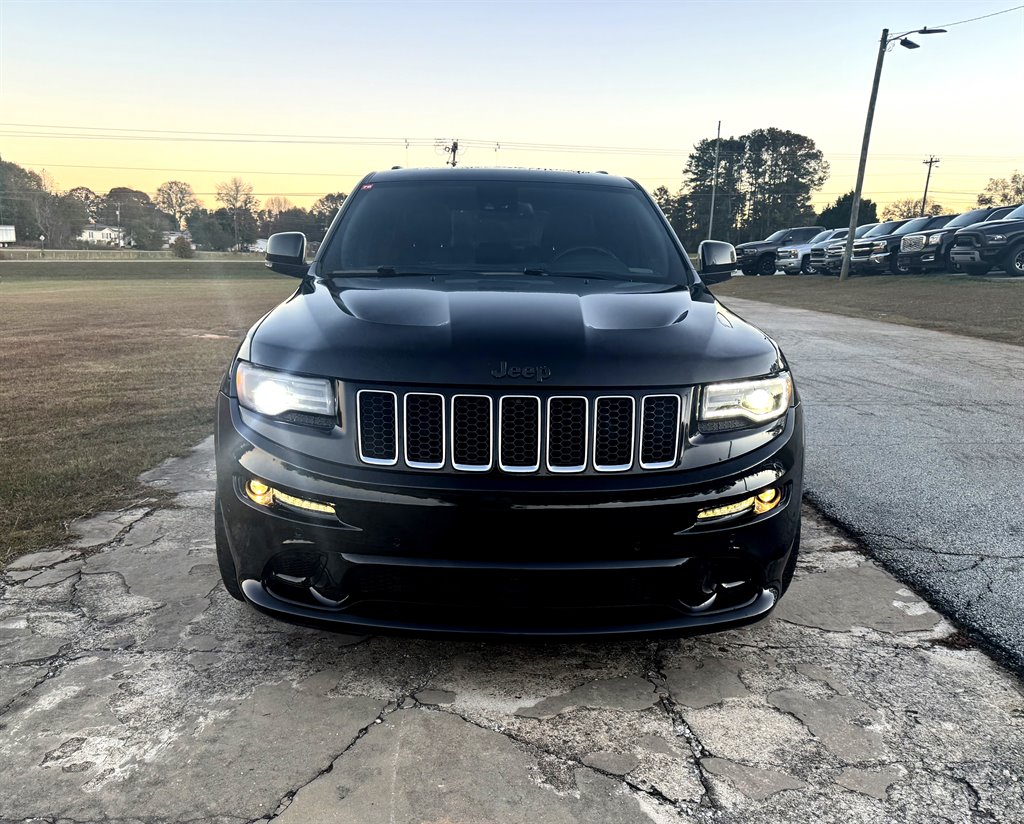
x=537 y=373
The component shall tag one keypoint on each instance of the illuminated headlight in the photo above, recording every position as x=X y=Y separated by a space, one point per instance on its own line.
x=935 y=240
x=997 y=239
x=273 y=393
x=757 y=400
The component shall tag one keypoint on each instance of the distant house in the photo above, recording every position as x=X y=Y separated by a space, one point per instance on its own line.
x=101 y=234
x=170 y=237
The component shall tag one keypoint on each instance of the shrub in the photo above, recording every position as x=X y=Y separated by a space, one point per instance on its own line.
x=181 y=247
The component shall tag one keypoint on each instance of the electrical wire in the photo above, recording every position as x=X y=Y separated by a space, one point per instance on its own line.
x=981 y=17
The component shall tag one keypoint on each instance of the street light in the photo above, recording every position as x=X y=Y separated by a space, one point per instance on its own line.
x=884 y=45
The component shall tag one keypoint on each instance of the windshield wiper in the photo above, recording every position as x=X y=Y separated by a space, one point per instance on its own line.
x=390 y=272
x=540 y=271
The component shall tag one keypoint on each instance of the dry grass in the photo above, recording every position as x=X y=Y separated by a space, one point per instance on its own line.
x=990 y=308
x=105 y=370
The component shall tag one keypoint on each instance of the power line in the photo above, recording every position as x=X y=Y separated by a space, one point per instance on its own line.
x=982 y=17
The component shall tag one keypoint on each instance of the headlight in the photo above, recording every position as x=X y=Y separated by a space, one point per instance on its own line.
x=758 y=400
x=997 y=239
x=934 y=240
x=879 y=246
x=272 y=393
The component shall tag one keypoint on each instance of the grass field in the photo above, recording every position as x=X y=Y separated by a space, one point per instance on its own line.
x=105 y=370
x=987 y=308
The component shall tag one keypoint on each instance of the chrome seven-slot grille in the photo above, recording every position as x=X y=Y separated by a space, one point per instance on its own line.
x=518 y=433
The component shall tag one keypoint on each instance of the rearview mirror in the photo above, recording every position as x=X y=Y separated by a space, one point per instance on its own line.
x=286 y=254
x=715 y=261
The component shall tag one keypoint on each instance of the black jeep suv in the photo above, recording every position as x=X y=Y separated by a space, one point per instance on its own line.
x=758 y=257
x=504 y=402
x=929 y=251
x=998 y=243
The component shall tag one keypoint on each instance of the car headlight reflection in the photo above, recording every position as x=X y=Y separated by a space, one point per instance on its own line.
x=273 y=393
x=758 y=401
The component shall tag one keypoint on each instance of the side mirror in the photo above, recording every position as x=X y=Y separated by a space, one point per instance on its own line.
x=286 y=254
x=715 y=261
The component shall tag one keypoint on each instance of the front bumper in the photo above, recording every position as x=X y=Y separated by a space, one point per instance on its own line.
x=537 y=556
x=929 y=258
x=976 y=255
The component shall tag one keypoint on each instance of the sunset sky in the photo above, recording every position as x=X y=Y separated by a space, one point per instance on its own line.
x=288 y=94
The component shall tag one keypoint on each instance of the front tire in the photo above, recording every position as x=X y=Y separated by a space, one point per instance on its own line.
x=228 y=573
x=766 y=265
x=805 y=266
x=1013 y=265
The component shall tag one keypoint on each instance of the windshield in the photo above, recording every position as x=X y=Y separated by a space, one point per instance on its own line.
x=883 y=229
x=488 y=227
x=822 y=236
x=863 y=230
x=775 y=236
x=1016 y=214
x=967 y=218
x=914 y=225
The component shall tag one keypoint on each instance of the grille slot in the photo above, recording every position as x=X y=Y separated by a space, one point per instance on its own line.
x=613 y=433
x=519 y=433
x=659 y=435
x=567 y=433
x=472 y=438
x=912 y=243
x=964 y=240
x=424 y=430
x=378 y=427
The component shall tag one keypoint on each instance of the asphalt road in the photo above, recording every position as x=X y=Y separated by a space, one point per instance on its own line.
x=134 y=689
x=916 y=445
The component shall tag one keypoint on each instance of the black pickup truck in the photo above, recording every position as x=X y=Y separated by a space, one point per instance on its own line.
x=929 y=251
x=758 y=257
x=995 y=243
x=879 y=253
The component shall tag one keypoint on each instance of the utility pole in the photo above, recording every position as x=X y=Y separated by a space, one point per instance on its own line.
x=714 y=180
x=453 y=150
x=931 y=161
x=883 y=44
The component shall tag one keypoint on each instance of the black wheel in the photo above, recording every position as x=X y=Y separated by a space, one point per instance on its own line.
x=805 y=266
x=766 y=265
x=896 y=267
x=975 y=269
x=949 y=266
x=787 y=573
x=749 y=270
x=1013 y=263
x=228 y=574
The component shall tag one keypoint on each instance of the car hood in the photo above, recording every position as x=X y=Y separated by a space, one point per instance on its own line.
x=403 y=335
x=993 y=227
x=756 y=246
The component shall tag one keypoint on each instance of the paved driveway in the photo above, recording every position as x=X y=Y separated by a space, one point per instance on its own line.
x=133 y=689
x=916 y=444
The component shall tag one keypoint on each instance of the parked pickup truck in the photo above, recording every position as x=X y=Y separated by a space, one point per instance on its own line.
x=827 y=258
x=796 y=259
x=877 y=253
x=999 y=243
x=929 y=251
x=758 y=257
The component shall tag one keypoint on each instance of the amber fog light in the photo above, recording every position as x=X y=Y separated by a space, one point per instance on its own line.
x=259 y=493
x=760 y=503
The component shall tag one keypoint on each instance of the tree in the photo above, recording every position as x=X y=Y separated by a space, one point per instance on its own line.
x=730 y=199
x=176 y=198
x=902 y=209
x=323 y=212
x=19 y=190
x=237 y=197
x=1002 y=192
x=140 y=218
x=61 y=218
x=181 y=247
x=276 y=204
x=837 y=215
x=207 y=232
x=93 y=202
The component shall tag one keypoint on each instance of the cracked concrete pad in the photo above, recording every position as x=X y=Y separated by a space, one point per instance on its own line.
x=861 y=596
x=421 y=766
x=629 y=693
x=874 y=783
x=105 y=740
x=434 y=697
x=616 y=763
x=755 y=783
x=39 y=560
x=702 y=682
x=103 y=527
x=841 y=723
x=55 y=575
x=15 y=680
x=194 y=472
